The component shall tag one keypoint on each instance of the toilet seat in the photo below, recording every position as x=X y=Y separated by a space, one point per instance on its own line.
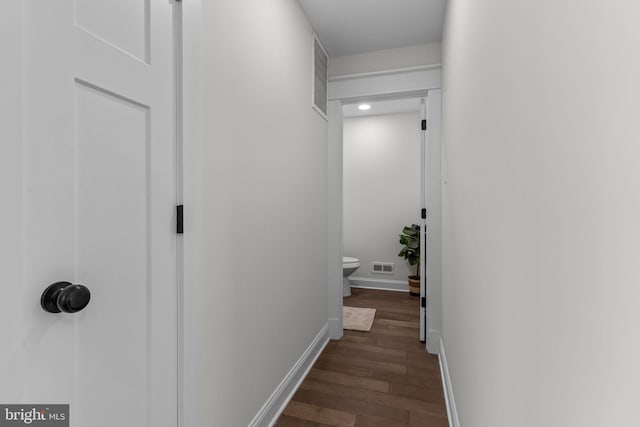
x=349 y=262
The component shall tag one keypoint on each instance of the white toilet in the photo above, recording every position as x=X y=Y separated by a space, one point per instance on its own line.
x=349 y=266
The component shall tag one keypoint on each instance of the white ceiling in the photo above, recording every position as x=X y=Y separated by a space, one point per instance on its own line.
x=347 y=27
x=391 y=106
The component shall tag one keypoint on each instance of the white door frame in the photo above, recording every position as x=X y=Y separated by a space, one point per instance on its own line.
x=192 y=315
x=423 y=221
x=433 y=203
x=403 y=83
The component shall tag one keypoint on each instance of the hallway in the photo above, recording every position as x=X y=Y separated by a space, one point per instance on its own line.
x=382 y=378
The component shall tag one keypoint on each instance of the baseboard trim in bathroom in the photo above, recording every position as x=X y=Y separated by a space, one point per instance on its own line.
x=273 y=407
x=379 y=284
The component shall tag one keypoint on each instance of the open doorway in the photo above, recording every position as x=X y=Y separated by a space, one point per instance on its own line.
x=422 y=82
x=383 y=192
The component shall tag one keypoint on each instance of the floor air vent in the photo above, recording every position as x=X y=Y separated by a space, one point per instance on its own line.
x=383 y=267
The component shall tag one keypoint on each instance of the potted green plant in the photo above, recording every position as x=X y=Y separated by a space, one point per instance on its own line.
x=410 y=238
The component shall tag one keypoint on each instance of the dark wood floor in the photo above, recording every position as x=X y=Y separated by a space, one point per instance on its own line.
x=382 y=378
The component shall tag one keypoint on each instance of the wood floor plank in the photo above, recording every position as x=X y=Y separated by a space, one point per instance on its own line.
x=319 y=399
x=355 y=406
x=373 y=349
x=427 y=420
x=398 y=323
x=344 y=367
x=365 y=339
x=378 y=357
x=402 y=343
x=395 y=331
x=340 y=378
x=381 y=378
x=419 y=355
x=398 y=315
x=422 y=381
x=401 y=402
x=364 y=362
x=373 y=421
x=287 y=421
x=344 y=379
x=424 y=371
x=315 y=413
x=433 y=394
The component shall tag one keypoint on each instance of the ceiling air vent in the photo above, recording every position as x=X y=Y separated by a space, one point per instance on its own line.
x=320 y=70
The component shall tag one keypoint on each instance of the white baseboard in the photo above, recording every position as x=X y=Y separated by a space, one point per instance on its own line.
x=271 y=410
x=380 y=284
x=450 y=401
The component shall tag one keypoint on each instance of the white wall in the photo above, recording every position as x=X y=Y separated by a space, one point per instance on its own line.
x=265 y=213
x=383 y=60
x=12 y=355
x=541 y=212
x=381 y=189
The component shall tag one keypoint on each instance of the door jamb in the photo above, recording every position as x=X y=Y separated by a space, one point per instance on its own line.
x=401 y=83
x=423 y=221
x=191 y=346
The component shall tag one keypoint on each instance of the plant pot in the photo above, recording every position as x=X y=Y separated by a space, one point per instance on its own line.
x=414 y=286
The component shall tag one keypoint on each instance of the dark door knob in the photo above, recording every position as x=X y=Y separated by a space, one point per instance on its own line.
x=65 y=297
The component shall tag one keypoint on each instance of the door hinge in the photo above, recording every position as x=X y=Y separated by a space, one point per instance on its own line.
x=424 y=125
x=423 y=302
x=424 y=213
x=179 y=219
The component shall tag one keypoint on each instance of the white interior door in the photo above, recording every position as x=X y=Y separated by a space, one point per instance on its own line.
x=433 y=224
x=98 y=192
x=423 y=223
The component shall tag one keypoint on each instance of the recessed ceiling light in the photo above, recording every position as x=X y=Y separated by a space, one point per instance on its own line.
x=364 y=107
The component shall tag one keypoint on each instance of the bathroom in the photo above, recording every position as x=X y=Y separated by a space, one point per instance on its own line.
x=381 y=195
